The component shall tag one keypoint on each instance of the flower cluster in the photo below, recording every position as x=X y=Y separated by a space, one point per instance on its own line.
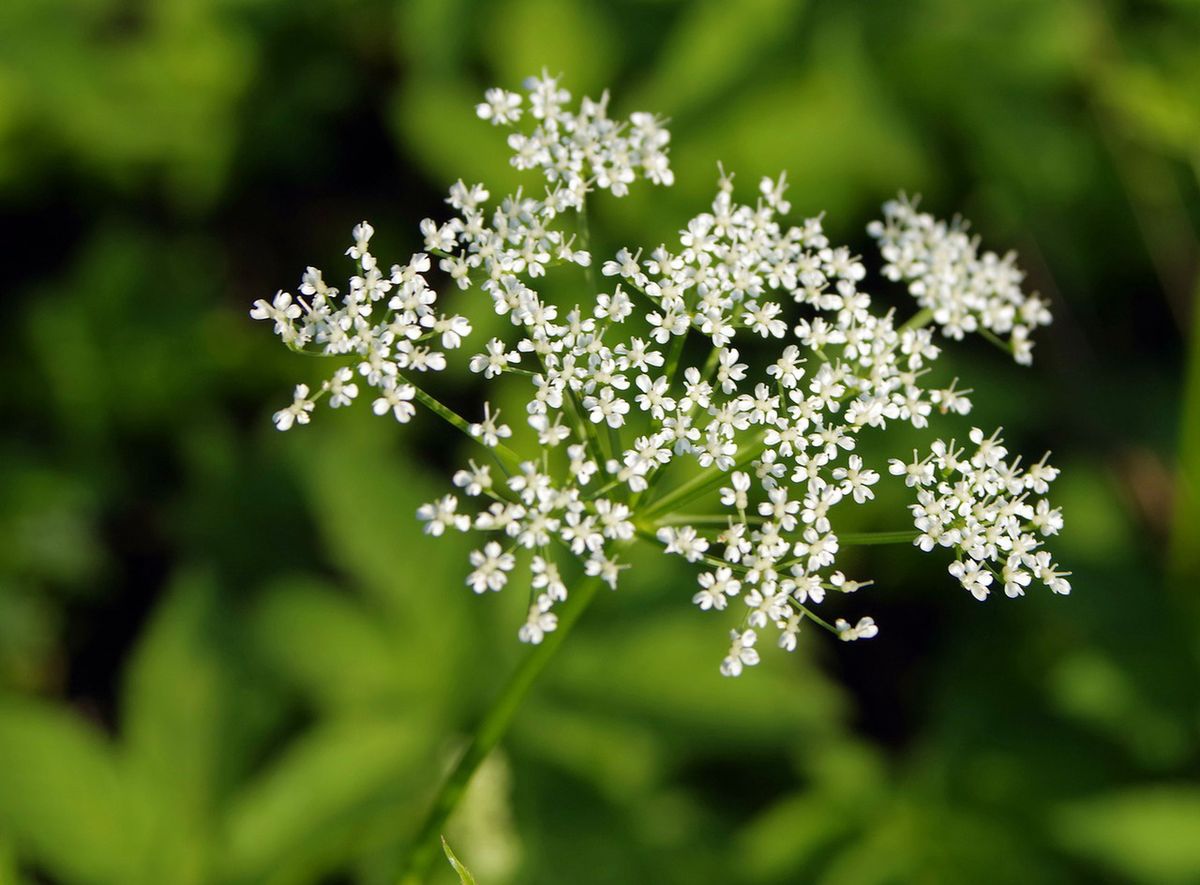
x=989 y=511
x=966 y=291
x=386 y=323
x=737 y=367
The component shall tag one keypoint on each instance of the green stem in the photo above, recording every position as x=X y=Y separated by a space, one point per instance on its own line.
x=492 y=728
x=905 y=536
x=995 y=339
x=456 y=420
x=585 y=234
x=597 y=492
x=707 y=519
x=614 y=442
x=701 y=483
x=920 y=319
x=814 y=617
x=674 y=355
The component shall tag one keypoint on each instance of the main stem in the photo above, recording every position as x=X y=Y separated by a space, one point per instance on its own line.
x=492 y=728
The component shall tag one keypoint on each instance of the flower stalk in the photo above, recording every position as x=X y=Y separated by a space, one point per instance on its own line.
x=491 y=729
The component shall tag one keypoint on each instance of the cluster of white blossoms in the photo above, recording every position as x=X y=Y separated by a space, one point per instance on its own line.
x=733 y=370
x=385 y=324
x=990 y=511
x=966 y=291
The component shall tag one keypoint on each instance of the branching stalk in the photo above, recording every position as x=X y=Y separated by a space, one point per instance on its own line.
x=461 y=423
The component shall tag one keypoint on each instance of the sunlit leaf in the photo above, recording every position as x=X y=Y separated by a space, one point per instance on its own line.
x=1149 y=834
x=61 y=798
x=318 y=795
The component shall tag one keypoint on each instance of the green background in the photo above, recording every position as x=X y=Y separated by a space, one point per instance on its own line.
x=227 y=654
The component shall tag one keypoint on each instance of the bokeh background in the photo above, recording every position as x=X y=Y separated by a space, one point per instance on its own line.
x=227 y=655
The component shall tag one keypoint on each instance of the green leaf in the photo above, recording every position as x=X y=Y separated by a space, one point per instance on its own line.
x=847 y=782
x=329 y=646
x=714 y=45
x=572 y=39
x=1185 y=551
x=365 y=496
x=61 y=798
x=1149 y=834
x=829 y=121
x=622 y=758
x=310 y=807
x=464 y=875
x=664 y=666
x=177 y=729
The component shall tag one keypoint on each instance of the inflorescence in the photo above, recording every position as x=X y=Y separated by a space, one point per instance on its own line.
x=631 y=428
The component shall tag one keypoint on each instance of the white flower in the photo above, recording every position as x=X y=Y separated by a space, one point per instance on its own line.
x=547 y=578
x=787 y=369
x=715 y=588
x=282 y=310
x=606 y=408
x=488 y=431
x=768 y=604
x=773 y=192
x=735 y=495
x=982 y=508
x=297 y=412
x=474 y=481
x=538 y=623
x=965 y=290
x=856 y=481
x=1015 y=579
x=362 y=234
x=342 y=390
x=864 y=629
x=500 y=106
x=684 y=541
x=918 y=473
x=495 y=361
x=1050 y=574
x=396 y=398
x=741 y=653
x=608 y=570
x=841 y=582
x=972 y=576
x=442 y=513
x=491 y=567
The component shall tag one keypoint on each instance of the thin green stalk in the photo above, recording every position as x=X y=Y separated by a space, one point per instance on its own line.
x=995 y=339
x=699 y=484
x=904 y=536
x=857 y=539
x=597 y=492
x=1184 y=553
x=585 y=234
x=674 y=355
x=921 y=318
x=491 y=729
x=814 y=617
x=456 y=420
x=614 y=442
x=705 y=519
x=710 y=364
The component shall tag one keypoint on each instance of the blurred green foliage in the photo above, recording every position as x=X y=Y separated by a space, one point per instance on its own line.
x=227 y=655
